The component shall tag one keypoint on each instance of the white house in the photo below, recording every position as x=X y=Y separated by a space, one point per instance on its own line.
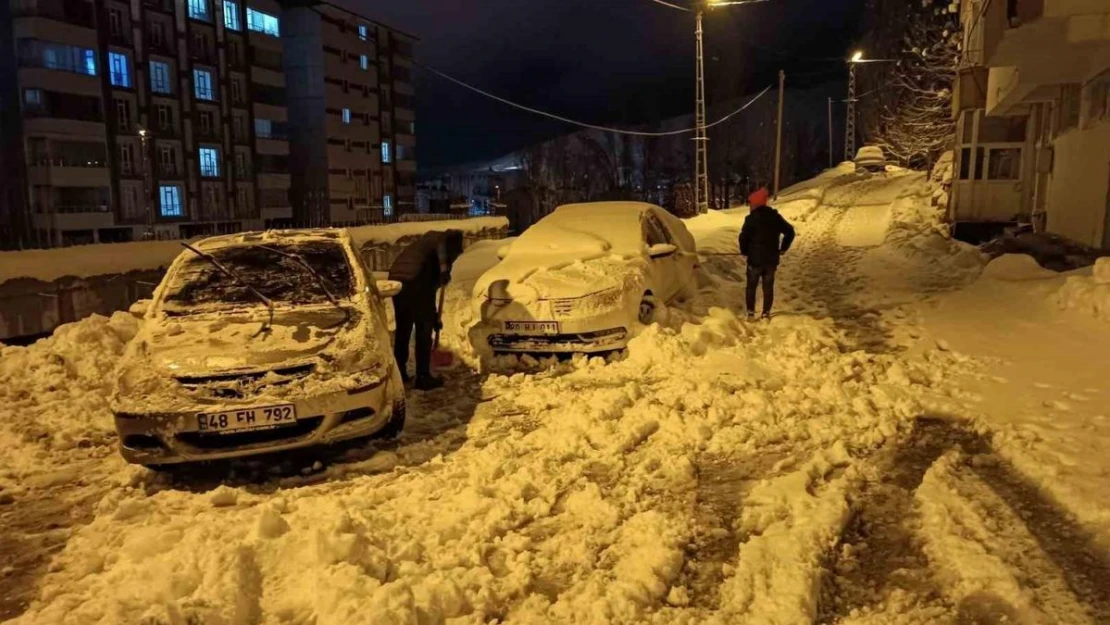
x=1033 y=108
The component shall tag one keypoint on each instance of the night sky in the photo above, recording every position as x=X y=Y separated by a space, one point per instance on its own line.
x=601 y=61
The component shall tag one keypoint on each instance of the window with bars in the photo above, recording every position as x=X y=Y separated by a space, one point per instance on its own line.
x=231 y=16
x=119 y=68
x=209 y=162
x=169 y=200
x=202 y=85
x=126 y=159
x=160 y=77
x=198 y=10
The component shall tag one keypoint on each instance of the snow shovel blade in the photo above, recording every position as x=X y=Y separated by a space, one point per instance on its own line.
x=442 y=358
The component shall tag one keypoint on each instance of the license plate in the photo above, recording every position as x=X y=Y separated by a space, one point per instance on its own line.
x=261 y=418
x=532 y=327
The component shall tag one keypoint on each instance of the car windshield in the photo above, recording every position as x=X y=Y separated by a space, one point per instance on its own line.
x=272 y=270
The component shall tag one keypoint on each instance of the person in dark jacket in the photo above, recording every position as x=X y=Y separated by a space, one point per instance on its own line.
x=422 y=268
x=766 y=235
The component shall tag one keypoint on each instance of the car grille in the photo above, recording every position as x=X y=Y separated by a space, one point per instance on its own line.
x=243 y=385
x=206 y=440
x=562 y=307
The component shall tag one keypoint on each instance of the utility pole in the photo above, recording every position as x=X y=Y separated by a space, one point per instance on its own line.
x=144 y=135
x=701 y=138
x=830 y=135
x=850 y=128
x=778 y=138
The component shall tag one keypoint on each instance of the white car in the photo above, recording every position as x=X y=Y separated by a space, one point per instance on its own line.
x=870 y=158
x=581 y=278
x=258 y=342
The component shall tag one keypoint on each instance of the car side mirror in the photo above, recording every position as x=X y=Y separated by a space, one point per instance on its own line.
x=140 y=308
x=389 y=288
x=659 y=250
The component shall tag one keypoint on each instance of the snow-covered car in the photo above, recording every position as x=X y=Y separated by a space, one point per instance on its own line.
x=870 y=158
x=258 y=342
x=582 y=277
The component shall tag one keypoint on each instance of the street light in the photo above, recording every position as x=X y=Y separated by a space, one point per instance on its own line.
x=143 y=138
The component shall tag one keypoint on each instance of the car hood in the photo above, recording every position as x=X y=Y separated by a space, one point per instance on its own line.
x=531 y=277
x=206 y=344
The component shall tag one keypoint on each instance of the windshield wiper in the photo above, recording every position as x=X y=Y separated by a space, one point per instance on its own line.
x=320 y=282
x=229 y=273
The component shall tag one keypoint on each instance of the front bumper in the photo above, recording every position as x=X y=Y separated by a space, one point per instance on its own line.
x=581 y=342
x=171 y=438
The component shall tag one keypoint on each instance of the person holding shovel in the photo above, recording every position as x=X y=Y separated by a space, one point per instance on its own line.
x=422 y=268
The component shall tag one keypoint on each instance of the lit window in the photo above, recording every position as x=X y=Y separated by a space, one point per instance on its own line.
x=263 y=128
x=119 y=67
x=387 y=205
x=363 y=61
x=263 y=23
x=69 y=58
x=387 y=154
x=202 y=84
x=210 y=162
x=198 y=9
x=346 y=116
x=170 y=200
x=160 y=77
x=231 y=16
x=32 y=96
x=363 y=31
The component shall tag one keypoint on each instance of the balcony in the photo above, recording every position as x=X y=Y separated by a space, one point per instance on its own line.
x=1019 y=32
x=75 y=12
x=61 y=173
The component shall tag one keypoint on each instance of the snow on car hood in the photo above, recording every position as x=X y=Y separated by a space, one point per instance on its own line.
x=531 y=277
x=218 y=343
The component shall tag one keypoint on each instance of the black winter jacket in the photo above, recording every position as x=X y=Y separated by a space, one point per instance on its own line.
x=423 y=261
x=759 y=238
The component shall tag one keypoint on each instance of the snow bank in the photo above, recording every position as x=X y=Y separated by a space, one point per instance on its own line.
x=389 y=233
x=1016 y=268
x=53 y=394
x=111 y=258
x=1089 y=295
x=87 y=260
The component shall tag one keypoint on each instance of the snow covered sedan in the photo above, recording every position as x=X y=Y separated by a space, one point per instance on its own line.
x=582 y=277
x=870 y=158
x=258 y=342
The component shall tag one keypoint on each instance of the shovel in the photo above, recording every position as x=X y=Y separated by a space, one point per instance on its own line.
x=441 y=358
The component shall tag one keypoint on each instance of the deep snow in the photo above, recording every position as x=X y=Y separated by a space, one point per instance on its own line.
x=719 y=472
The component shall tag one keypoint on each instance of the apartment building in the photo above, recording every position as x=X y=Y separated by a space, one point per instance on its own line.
x=149 y=118
x=1032 y=102
x=351 y=117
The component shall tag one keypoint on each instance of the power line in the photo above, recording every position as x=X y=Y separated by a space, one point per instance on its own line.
x=673 y=6
x=567 y=120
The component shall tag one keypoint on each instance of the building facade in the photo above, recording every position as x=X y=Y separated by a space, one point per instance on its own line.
x=352 y=117
x=1033 y=108
x=172 y=118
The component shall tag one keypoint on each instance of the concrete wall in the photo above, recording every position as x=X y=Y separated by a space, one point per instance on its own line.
x=1077 y=195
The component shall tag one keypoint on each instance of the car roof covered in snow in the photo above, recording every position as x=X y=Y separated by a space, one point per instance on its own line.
x=612 y=226
x=304 y=235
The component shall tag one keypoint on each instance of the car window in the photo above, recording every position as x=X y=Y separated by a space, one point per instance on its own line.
x=282 y=279
x=656 y=233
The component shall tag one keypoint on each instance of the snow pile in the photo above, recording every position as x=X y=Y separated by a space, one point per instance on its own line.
x=568 y=499
x=389 y=233
x=53 y=394
x=1016 y=268
x=1090 y=295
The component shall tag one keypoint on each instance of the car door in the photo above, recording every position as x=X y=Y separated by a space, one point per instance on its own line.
x=664 y=267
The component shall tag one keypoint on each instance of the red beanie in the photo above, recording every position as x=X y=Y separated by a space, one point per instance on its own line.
x=759 y=198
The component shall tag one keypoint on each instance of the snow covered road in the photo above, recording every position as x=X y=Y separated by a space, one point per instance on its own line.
x=829 y=466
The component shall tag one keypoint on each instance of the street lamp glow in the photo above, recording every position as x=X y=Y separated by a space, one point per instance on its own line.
x=142 y=132
x=858 y=56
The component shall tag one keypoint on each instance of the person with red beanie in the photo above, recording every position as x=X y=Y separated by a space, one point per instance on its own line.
x=766 y=235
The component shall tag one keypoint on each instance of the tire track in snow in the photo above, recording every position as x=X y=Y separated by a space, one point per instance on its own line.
x=723 y=481
x=879 y=553
x=880 y=566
